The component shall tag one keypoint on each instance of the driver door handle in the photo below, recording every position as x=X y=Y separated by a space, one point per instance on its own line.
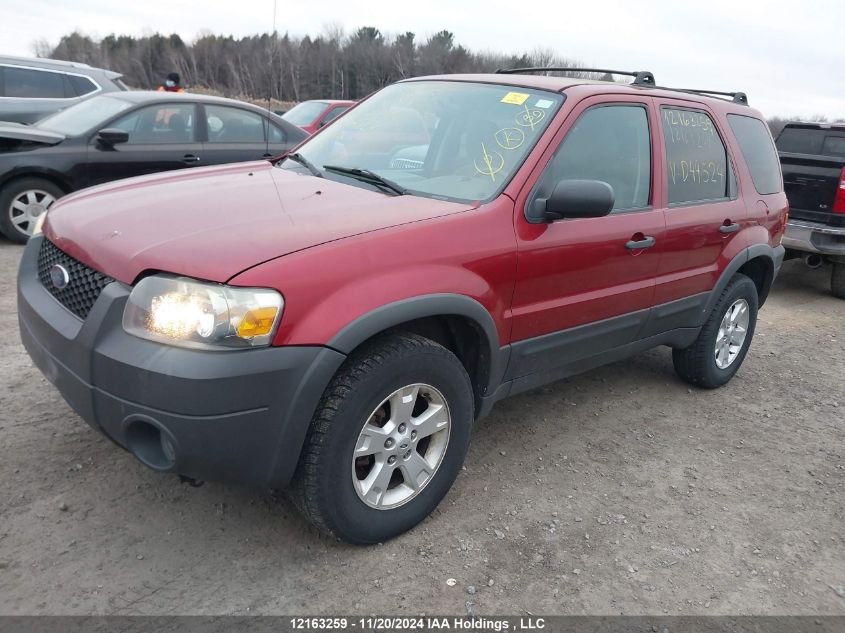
x=647 y=241
x=190 y=158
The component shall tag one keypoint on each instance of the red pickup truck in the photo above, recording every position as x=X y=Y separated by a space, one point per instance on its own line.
x=337 y=322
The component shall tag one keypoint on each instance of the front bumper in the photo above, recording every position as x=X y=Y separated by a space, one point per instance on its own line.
x=813 y=237
x=234 y=416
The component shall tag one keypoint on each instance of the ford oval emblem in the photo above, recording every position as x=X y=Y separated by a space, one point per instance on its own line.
x=59 y=277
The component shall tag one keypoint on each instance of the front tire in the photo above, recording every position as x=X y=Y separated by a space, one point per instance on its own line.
x=721 y=346
x=22 y=201
x=387 y=440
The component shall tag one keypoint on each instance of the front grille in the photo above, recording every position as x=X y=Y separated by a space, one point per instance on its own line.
x=84 y=284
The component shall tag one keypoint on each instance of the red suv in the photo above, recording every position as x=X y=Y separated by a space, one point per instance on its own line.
x=335 y=323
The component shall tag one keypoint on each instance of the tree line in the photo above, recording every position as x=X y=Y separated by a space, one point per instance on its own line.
x=285 y=68
x=332 y=65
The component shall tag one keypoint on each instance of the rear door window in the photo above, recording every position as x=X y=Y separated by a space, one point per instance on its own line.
x=32 y=84
x=233 y=125
x=696 y=159
x=758 y=150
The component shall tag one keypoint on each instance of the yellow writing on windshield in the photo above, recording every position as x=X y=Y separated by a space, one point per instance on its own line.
x=530 y=117
x=491 y=163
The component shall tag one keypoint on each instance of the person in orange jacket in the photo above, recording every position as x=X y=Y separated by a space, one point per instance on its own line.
x=171 y=84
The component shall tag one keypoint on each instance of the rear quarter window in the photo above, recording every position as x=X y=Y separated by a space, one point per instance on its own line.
x=758 y=150
x=82 y=85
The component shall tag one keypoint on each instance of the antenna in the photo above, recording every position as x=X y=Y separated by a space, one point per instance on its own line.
x=273 y=46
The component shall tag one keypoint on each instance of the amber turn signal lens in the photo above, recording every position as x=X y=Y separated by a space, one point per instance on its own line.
x=257 y=321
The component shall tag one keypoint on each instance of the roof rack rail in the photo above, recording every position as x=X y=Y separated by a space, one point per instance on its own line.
x=737 y=97
x=641 y=77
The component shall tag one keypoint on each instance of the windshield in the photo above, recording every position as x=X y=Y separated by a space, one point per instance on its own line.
x=304 y=113
x=442 y=139
x=85 y=115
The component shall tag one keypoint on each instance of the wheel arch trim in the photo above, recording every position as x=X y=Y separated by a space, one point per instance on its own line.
x=434 y=305
x=46 y=174
x=774 y=255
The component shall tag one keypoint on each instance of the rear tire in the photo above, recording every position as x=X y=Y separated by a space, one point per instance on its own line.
x=837 y=280
x=721 y=346
x=371 y=468
x=21 y=202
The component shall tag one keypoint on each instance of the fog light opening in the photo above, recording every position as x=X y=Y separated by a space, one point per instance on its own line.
x=151 y=445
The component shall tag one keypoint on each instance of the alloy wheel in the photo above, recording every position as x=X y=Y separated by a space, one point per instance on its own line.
x=732 y=333
x=27 y=206
x=401 y=446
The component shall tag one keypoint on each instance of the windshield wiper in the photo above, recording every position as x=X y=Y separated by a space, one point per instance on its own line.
x=366 y=175
x=299 y=158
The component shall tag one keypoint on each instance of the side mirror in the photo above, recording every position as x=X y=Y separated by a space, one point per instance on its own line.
x=112 y=136
x=572 y=199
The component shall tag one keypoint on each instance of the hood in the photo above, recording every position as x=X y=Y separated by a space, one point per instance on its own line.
x=215 y=222
x=21 y=132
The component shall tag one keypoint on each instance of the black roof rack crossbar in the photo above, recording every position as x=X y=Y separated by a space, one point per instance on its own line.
x=641 y=77
x=736 y=97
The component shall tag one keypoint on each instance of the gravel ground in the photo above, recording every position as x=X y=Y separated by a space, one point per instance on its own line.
x=617 y=491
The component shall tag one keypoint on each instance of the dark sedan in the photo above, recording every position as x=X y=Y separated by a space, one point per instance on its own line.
x=126 y=134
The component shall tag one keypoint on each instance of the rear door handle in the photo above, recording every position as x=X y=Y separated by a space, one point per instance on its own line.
x=190 y=158
x=646 y=242
x=729 y=228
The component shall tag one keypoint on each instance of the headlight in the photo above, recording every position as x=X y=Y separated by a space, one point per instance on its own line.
x=188 y=313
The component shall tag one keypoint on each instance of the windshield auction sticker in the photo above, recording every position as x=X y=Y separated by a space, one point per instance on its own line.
x=516 y=98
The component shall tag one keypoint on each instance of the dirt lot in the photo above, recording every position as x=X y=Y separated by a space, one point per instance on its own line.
x=618 y=491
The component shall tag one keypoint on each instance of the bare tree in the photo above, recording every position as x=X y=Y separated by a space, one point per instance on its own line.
x=284 y=67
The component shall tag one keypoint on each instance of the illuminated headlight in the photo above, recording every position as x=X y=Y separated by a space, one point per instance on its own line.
x=188 y=313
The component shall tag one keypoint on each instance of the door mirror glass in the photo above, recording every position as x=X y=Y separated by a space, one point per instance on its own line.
x=112 y=136
x=573 y=199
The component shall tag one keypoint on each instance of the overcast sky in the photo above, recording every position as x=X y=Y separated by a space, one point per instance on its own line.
x=788 y=57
